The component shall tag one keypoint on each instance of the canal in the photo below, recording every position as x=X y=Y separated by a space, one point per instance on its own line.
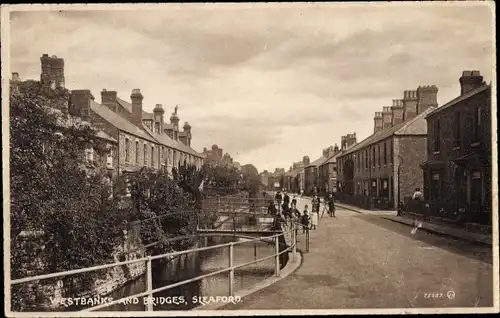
x=196 y=264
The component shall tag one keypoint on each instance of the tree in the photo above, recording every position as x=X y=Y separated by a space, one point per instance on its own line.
x=224 y=178
x=55 y=191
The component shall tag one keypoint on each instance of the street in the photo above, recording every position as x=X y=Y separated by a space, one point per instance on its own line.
x=365 y=261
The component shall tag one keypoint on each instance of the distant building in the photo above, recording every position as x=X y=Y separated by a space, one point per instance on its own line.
x=216 y=155
x=384 y=167
x=264 y=178
x=457 y=170
x=327 y=171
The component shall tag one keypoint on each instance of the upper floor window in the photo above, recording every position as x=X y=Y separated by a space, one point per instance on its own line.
x=378 y=154
x=137 y=151
x=145 y=154
x=373 y=157
x=152 y=156
x=477 y=123
x=366 y=159
x=456 y=129
x=127 y=150
x=385 y=153
x=437 y=136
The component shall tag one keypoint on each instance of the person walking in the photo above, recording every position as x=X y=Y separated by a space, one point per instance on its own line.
x=305 y=220
x=301 y=193
x=331 y=205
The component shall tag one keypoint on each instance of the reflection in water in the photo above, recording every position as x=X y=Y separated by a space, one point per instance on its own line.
x=196 y=264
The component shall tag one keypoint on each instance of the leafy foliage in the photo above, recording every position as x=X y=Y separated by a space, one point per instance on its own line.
x=54 y=189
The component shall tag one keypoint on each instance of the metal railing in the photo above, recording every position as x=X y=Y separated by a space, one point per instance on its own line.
x=149 y=274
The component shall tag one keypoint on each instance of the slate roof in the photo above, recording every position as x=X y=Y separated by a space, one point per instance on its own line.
x=70 y=121
x=460 y=98
x=118 y=121
x=318 y=162
x=163 y=139
x=414 y=126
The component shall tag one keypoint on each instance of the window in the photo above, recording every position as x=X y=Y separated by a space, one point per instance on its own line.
x=476 y=187
x=385 y=153
x=127 y=150
x=169 y=159
x=435 y=185
x=152 y=156
x=373 y=157
x=456 y=130
x=109 y=158
x=437 y=134
x=137 y=152
x=89 y=154
x=477 y=123
x=378 y=154
x=175 y=158
x=366 y=159
x=145 y=154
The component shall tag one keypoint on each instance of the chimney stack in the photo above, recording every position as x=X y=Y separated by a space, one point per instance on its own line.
x=15 y=77
x=410 y=102
x=398 y=111
x=52 y=75
x=378 y=122
x=136 y=98
x=158 y=119
x=386 y=117
x=427 y=97
x=470 y=80
x=80 y=103
x=306 y=161
x=108 y=98
x=187 y=130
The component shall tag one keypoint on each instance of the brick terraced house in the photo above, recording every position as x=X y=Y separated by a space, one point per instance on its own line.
x=457 y=170
x=384 y=168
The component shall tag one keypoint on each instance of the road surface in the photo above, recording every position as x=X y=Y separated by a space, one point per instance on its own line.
x=365 y=261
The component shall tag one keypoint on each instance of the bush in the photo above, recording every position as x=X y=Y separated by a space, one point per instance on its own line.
x=56 y=192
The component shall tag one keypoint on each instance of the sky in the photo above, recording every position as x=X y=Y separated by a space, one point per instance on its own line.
x=267 y=83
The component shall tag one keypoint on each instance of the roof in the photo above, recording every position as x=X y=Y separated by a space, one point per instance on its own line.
x=317 y=162
x=414 y=126
x=71 y=121
x=460 y=98
x=118 y=121
x=124 y=104
x=169 y=142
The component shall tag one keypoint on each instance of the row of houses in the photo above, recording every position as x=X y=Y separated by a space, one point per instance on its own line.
x=445 y=151
x=320 y=175
x=136 y=138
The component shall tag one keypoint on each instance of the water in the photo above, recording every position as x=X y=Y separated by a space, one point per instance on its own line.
x=196 y=264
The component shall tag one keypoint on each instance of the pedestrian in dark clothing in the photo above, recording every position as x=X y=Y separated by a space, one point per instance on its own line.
x=271 y=209
x=294 y=202
x=286 y=199
x=331 y=205
x=305 y=220
x=278 y=220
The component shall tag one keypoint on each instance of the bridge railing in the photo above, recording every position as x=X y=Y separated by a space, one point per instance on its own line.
x=149 y=273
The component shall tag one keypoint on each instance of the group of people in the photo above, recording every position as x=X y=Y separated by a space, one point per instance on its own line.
x=289 y=210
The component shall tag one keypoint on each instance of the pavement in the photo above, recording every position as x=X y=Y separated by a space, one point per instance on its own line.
x=424 y=226
x=359 y=261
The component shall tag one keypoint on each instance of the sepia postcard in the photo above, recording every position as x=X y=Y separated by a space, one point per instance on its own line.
x=226 y=159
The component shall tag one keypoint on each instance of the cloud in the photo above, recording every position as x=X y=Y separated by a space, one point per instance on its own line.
x=268 y=83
